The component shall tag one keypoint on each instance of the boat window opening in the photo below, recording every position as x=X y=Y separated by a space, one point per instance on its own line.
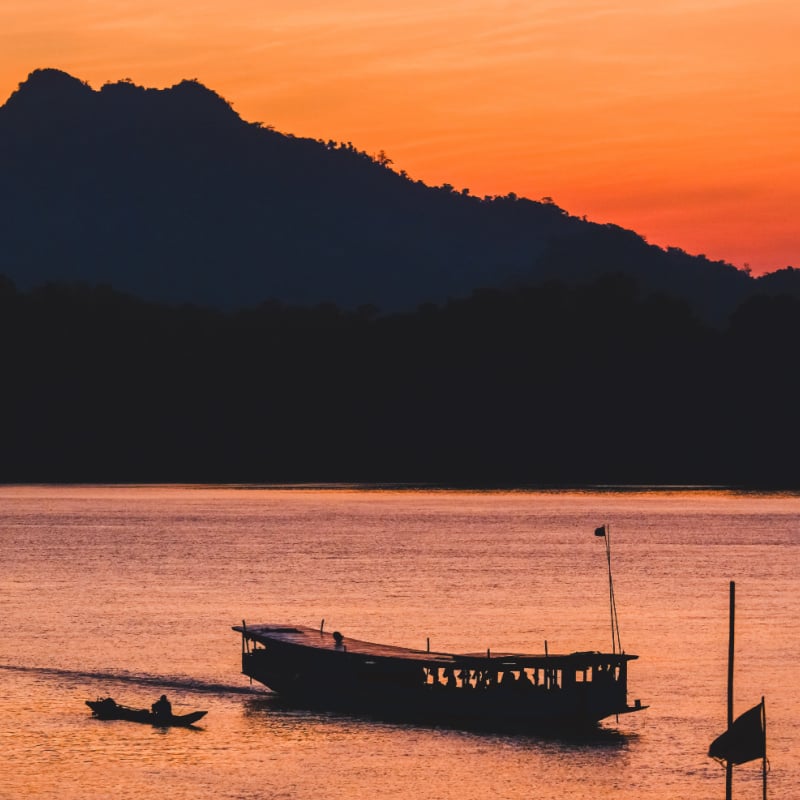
x=525 y=678
x=506 y=679
x=552 y=679
x=606 y=673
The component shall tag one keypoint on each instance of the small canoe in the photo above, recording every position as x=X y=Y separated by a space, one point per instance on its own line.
x=107 y=708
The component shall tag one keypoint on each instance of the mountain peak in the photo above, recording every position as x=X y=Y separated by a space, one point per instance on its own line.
x=50 y=96
x=49 y=79
x=49 y=90
x=189 y=101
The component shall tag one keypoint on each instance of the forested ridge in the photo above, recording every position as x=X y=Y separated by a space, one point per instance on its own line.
x=169 y=195
x=547 y=385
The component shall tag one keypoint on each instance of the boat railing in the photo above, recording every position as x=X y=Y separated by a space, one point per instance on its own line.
x=512 y=677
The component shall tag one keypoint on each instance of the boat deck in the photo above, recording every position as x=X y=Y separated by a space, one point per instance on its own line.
x=304 y=636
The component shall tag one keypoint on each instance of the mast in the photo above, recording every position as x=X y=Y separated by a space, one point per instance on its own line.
x=616 y=645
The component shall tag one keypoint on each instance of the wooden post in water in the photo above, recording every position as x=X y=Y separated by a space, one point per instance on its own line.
x=764 y=760
x=731 y=621
x=745 y=738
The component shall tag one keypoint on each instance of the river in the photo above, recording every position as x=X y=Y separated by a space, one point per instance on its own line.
x=131 y=591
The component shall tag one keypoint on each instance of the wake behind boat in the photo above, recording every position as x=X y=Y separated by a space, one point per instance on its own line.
x=107 y=708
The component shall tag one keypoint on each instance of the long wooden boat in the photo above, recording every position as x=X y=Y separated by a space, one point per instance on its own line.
x=107 y=708
x=313 y=667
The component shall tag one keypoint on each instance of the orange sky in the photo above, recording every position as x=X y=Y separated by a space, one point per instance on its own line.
x=677 y=118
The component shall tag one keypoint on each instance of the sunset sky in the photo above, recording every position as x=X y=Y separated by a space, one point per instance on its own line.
x=679 y=119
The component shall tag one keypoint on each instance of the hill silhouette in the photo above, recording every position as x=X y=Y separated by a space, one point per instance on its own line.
x=170 y=195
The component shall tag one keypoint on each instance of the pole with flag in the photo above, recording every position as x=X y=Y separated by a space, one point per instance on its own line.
x=616 y=645
x=746 y=737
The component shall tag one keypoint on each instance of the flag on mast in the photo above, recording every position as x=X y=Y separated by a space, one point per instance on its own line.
x=601 y=531
x=744 y=741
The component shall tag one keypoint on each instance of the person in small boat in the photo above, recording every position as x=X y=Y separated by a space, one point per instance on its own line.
x=162 y=708
x=109 y=704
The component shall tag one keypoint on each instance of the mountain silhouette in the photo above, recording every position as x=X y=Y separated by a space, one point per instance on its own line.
x=171 y=196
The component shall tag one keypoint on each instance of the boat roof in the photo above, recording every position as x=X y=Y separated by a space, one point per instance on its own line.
x=316 y=638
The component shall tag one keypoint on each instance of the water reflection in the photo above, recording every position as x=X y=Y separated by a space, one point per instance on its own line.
x=273 y=711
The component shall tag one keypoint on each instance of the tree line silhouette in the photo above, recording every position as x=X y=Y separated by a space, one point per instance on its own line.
x=546 y=385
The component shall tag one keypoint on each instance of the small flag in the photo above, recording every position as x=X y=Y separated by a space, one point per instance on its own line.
x=601 y=531
x=744 y=740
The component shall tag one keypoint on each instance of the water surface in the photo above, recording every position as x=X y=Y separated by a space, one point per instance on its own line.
x=132 y=591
